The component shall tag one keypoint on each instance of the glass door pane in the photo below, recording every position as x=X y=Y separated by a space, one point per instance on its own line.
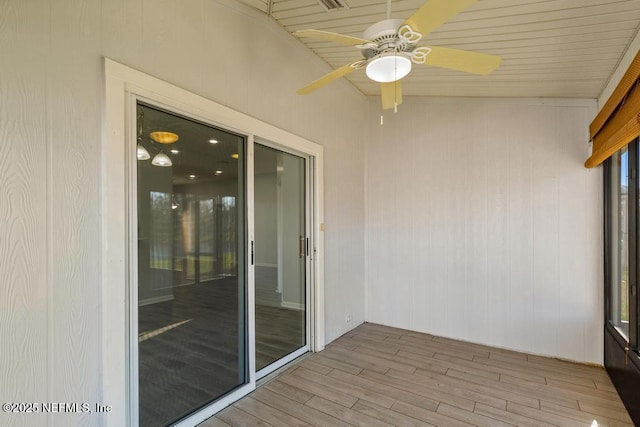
x=619 y=250
x=191 y=271
x=280 y=254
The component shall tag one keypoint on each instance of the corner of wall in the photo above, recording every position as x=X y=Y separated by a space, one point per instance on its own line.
x=366 y=136
x=616 y=76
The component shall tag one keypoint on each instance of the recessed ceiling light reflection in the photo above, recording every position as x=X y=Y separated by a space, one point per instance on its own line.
x=175 y=151
x=192 y=177
x=235 y=156
x=218 y=172
x=213 y=141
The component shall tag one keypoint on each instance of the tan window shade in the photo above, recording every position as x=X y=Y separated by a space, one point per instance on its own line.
x=618 y=123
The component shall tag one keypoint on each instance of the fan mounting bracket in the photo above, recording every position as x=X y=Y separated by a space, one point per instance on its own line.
x=389 y=35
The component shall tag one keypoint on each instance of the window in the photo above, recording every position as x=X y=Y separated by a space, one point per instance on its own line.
x=621 y=218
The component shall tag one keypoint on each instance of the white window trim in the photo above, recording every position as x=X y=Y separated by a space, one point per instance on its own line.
x=122 y=84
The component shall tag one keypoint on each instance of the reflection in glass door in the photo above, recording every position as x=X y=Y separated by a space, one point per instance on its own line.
x=191 y=310
x=619 y=251
x=281 y=252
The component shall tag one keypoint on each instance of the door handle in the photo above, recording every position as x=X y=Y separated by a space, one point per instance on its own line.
x=301 y=247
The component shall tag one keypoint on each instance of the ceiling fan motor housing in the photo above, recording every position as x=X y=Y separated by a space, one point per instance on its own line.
x=385 y=35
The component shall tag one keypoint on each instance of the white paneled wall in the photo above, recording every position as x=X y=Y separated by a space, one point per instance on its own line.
x=51 y=131
x=482 y=223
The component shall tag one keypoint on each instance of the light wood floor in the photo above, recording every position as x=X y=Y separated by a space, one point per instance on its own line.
x=379 y=376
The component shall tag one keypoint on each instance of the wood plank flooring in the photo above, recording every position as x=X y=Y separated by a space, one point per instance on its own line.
x=380 y=376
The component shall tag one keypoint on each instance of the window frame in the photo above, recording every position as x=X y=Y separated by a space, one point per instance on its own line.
x=633 y=219
x=634 y=263
x=125 y=86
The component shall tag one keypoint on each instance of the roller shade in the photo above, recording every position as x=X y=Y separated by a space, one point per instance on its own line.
x=618 y=123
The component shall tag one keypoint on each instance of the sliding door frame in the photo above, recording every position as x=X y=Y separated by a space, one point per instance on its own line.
x=622 y=356
x=309 y=257
x=632 y=220
x=123 y=88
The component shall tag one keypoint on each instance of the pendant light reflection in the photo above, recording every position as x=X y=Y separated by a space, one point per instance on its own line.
x=163 y=137
x=142 y=153
x=161 y=160
x=160 y=137
x=174 y=204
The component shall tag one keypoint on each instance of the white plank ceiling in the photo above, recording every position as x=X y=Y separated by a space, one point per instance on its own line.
x=550 y=48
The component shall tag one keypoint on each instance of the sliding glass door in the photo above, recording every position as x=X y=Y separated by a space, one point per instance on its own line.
x=203 y=256
x=618 y=228
x=281 y=253
x=622 y=269
x=191 y=310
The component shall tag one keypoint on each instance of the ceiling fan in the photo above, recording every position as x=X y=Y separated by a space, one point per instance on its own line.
x=389 y=48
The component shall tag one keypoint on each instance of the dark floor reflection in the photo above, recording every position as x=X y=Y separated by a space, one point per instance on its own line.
x=189 y=347
x=279 y=331
x=188 y=350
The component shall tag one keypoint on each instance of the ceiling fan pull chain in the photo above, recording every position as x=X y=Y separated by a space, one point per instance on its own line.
x=395 y=97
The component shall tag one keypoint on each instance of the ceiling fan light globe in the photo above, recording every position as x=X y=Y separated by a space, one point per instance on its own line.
x=388 y=68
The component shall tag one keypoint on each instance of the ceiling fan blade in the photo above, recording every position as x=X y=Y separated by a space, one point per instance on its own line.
x=332 y=37
x=434 y=13
x=328 y=78
x=391 y=94
x=462 y=60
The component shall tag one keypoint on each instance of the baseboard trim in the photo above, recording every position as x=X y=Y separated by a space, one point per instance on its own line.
x=292 y=305
x=155 y=300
